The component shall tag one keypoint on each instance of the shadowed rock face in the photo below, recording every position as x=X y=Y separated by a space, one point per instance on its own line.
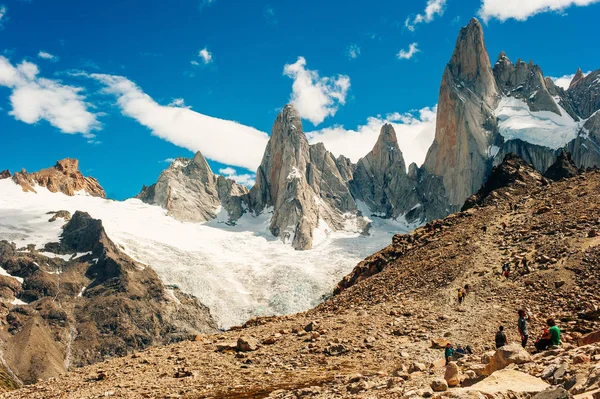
x=381 y=181
x=190 y=191
x=81 y=311
x=563 y=168
x=465 y=120
x=63 y=177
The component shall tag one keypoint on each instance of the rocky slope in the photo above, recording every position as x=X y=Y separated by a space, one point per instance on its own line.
x=190 y=191
x=381 y=335
x=63 y=177
x=82 y=300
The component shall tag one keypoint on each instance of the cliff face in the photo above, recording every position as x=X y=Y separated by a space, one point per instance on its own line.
x=465 y=119
x=63 y=177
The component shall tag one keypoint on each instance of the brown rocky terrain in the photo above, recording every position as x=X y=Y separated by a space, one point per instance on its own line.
x=63 y=177
x=381 y=335
x=92 y=303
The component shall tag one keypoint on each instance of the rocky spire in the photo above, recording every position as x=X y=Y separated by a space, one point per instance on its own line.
x=301 y=182
x=465 y=117
x=381 y=181
x=576 y=79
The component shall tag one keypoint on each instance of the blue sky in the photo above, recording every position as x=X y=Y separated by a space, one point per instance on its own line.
x=101 y=81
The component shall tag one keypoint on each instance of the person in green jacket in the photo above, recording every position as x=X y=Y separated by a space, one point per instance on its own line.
x=551 y=336
x=448 y=352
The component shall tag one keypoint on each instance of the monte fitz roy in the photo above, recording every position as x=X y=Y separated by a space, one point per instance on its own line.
x=90 y=278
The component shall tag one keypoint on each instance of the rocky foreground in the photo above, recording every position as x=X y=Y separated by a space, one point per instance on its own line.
x=382 y=334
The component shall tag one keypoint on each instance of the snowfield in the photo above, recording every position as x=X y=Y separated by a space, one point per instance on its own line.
x=237 y=271
x=542 y=128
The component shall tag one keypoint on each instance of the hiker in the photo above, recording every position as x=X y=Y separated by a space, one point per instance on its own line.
x=460 y=350
x=551 y=336
x=466 y=290
x=522 y=324
x=501 y=339
x=460 y=296
x=484 y=228
x=506 y=270
x=448 y=353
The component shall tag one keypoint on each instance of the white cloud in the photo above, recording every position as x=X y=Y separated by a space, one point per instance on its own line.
x=315 y=98
x=179 y=103
x=194 y=63
x=168 y=160
x=408 y=54
x=565 y=81
x=205 y=3
x=47 y=56
x=205 y=55
x=245 y=179
x=221 y=140
x=34 y=98
x=415 y=132
x=353 y=51
x=433 y=8
x=3 y=11
x=521 y=10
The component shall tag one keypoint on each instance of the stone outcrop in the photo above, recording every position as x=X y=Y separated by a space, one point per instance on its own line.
x=96 y=305
x=5 y=174
x=563 y=168
x=586 y=147
x=508 y=354
x=465 y=117
x=540 y=157
x=190 y=191
x=513 y=174
x=64 y=177
x=301 y=183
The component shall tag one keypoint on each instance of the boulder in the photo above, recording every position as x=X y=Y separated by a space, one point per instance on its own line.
x=508 y=354
x=451 y=374
x=509 y=380
x=247 y=344
x=553 y=393
x=439 y=343
x=439 y=385
x=590 y=338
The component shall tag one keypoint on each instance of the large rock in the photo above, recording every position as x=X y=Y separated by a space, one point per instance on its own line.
x=508 y=354
x=589 y=339
x=465 y=117
x=584 y=93
x=190 y=191
x=64 y=177
x=439 y=385
x=563 y=168
x=451 y=375
x=505 y=381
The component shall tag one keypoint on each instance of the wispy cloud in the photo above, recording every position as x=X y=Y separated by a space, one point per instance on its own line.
x=353 y=51
x=315 y=97
x=3 y=17
x=522 y=10
x=205 y=3
x=168 y=160
x=47 y=56
x=34 y=98
x=408 y=54
x=224 y=141
x=270 y=16
x=432 y=9
x=245 y=179
x=415 y=131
